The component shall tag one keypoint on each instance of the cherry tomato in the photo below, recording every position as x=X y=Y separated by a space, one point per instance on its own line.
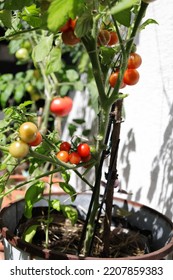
x=65 y=27
x=37 y=140
x=65 y=146
x=113 y=38
x=134 y=61
x=28 y=132
x=74 y=158
x=131 y=77
x=63 y=156
x=103 y=37
x=83 y=149
x=73 y=23
x=22 y=54
x=19 y=149
x=69 y=38
x=86 y=159
x=61 y=106
x=113 y=80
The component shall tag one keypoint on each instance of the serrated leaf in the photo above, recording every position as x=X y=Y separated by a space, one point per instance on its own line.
x=70 y=213
x=33 y=194
x=54 y=62
x=42 y=50
x=67 y=188
x=29 y=233
x=66 y=8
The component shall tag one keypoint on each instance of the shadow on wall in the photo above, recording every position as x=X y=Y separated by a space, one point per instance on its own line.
x=162 y=172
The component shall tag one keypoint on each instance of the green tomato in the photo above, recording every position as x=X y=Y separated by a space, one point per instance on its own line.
x=22 y=54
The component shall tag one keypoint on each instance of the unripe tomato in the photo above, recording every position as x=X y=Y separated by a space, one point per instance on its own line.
x=134 y=61
x=28 y=132
x=63 y=156
x=37 y=140
x=19 y=149
x=83 y=149
x=74 y=158
x=61 y=106
x=65 y=146
x=103 y=37
x=22 y=54
x=131 y=77
x=69 y=38
x=113 y=38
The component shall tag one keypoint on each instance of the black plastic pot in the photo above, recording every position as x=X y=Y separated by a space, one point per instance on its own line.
x=141 y=217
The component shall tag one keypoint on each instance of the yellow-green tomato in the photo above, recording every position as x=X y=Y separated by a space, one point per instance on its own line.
x=28 y=132
x=22 y=54
x=19 y=149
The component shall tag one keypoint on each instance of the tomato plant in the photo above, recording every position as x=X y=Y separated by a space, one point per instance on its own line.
x=28 y=132
x=61 y=106
x=134 y=61
x=131 y=77
x=113 y=38
x=103 y=37
x=37 y=140
x=83 y=149
x=65 y=146
x=69 y=38
x=18 y=149
x=63 y=156
x=74 y=158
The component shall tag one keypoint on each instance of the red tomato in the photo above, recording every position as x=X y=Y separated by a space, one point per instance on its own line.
x=113 y=38
x=61 y=106
x=65 y=27
x=63 y=156
x=37 y=141
x=83 y=149
x=65 y=146
x=19 y=149
x=28 y=132
x=103 y=37
x=131 y=77
x=73 y=23
x=113 y=80
x=69 y=38
x=134 y=61
x=74 y=158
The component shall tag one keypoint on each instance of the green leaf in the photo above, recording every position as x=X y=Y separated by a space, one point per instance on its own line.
x=123 y=5
x=33 y=194
x=5 y=17
x=147 y=22
x=84 y=25
x=19 y=92
x=29 y=233
x=67 y=188
x=66 y=8
x=43 y=49
x=70 y=212
x=79 y=121
x=5 y=95
x=72 y=75
x=54 y=62
x=17 y=5
x=55 y=204
x=32 y=15
x=124 y=17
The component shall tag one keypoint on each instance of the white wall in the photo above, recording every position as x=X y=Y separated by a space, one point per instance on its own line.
x=146 y=147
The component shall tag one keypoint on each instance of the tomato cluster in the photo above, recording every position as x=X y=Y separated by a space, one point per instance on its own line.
x=107 y=38
x=68 y=154
x=68 y=35
x=131 y=75
x=28 y=136
x=61 y=106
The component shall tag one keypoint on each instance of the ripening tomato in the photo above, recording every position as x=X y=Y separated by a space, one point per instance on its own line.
x=69 y=38
x=131 y=77
x=113 y=38
x=37 y=140
x=83 y=149
x=113 y=79
x=134 y=61
x=61 y=106
x=65 y=146
x=74 y=158
x=103 y=37
x=63 y=156
x=19 y=149
x=28 y=132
